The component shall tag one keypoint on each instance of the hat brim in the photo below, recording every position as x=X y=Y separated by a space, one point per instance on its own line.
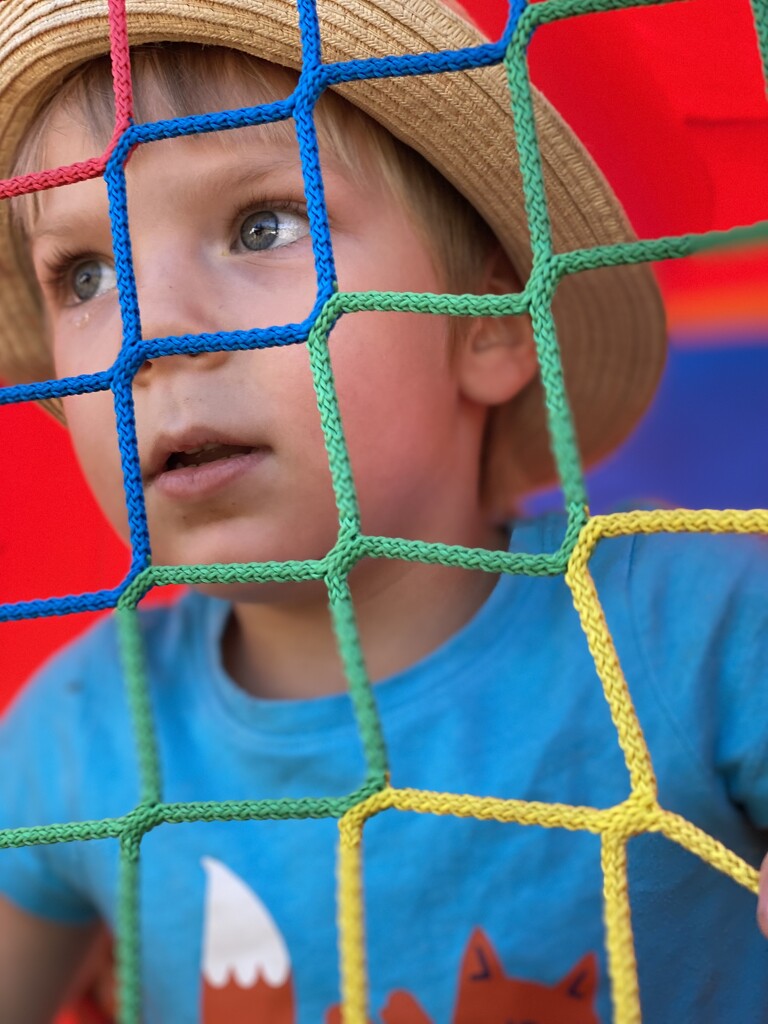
x=610 y=322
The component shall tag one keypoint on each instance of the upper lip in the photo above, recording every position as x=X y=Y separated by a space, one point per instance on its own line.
x=167 y=443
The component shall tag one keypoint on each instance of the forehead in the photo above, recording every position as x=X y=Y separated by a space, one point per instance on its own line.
x=168 y=82
x=199 y=163
x=69 y=137
x=178 y=81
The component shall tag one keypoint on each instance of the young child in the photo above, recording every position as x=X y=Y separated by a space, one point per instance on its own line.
x=484 y=683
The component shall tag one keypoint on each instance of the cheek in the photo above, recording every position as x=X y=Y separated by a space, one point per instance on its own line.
x=393 y=363
x=87 y=339
x=397 y=393
x=91 y=424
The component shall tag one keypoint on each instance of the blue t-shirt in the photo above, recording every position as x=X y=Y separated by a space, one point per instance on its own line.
x=238 y=919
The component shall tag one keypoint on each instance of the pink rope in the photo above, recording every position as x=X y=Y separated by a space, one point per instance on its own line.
x=95 y=166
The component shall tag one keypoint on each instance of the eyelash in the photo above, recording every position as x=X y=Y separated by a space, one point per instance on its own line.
x=259 y=204
x=58 y=266
x=61 y=261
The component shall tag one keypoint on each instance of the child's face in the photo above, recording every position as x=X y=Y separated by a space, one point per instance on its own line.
x=220 y=242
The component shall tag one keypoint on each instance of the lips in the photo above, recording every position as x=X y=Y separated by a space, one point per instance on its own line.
x=201 y=463
x=173 y=451
x=211 y=452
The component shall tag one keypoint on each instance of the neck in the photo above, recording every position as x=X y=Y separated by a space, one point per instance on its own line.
x=403 y=611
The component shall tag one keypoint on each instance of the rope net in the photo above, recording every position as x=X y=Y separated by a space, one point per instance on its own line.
x=641 y=811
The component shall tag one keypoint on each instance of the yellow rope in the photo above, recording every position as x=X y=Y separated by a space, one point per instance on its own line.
x=640 y=813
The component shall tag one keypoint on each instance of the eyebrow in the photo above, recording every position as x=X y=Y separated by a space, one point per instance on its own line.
x=60 y=228
x=257 y=169
x=254 y=171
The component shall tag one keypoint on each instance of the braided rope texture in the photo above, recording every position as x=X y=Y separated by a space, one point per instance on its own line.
x=640 y=812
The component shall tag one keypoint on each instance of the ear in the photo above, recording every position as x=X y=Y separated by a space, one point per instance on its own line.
x=496 y=356
x=480 y=962
x=581 y=982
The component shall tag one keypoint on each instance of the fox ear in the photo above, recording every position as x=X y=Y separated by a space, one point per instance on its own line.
x=581 y=982
x=402 y=1008
x=480 y=961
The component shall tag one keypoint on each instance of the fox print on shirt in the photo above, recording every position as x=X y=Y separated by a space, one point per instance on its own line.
x=486 y=994
x=246 y=968
x=247 y=975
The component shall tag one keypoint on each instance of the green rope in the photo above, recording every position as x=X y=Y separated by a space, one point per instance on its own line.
x=352 y=544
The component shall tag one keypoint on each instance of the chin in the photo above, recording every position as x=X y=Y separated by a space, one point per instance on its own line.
x=272 y=593
x=239 y=541
x=241 y=545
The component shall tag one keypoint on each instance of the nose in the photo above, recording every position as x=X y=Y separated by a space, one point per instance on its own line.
x=174 y=301
x=181 y=361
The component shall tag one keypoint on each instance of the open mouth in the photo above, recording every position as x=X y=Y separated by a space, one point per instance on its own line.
x=206 y=454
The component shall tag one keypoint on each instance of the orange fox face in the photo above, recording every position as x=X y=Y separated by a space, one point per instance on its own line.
x=486 y=994
x=247 y=974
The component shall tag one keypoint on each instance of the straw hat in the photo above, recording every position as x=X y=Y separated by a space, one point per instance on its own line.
x=610 y=321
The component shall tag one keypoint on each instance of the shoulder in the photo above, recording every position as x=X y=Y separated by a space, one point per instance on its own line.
x=697 y=584
x=62 y=678
x=75 y=712
x=651 y=565
x=692 y=610
x=683 y=595
x=687 y=596
x=87 y=673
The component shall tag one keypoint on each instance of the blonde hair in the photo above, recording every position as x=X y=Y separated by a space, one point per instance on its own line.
x=182 y=79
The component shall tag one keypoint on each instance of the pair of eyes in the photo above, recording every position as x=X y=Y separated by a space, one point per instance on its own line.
x=258 y=232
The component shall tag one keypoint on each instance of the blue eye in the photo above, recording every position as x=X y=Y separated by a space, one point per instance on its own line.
x=271 y=229
x=91 y=278
x=260 y=230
